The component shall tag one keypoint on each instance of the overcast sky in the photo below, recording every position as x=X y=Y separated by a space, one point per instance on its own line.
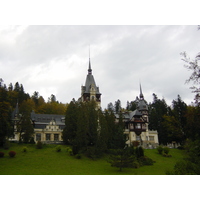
x=54 y=60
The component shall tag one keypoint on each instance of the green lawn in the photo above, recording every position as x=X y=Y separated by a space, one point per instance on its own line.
x=47 y=161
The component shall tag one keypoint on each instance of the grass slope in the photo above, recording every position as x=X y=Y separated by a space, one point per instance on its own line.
x=47 y=161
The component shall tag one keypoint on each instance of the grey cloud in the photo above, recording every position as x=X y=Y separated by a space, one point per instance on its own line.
x=121 y=56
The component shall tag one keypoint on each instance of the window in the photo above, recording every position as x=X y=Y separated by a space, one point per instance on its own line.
x=48 y=137
x=38 y=137
x=151 y=138
x=56 y=137
x=138 y=126
x=138 y=138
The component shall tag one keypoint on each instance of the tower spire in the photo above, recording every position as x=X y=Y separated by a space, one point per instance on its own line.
x=141 y=95
x=89 y=69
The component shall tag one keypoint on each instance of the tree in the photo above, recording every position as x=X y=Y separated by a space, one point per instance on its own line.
x=52 y=98
x=192 y=126
x=25 y=126
x=157 y=110
x=110 y=107
x=131 y=105
x=5 y=116
x=175 y=121
x=35 y=97
x=82 y=135
x=121 y=158
x=71 y=126
x=5 y=122
x=118 y=106
x=193 y=66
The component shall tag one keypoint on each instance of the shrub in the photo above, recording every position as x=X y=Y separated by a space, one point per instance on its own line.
x=1 y=154
x=70 y=152
x=68 y=149
x=166 y=150
x=146 y=161
x=166 y=155
x=78 y=156
x=39 y=145
x=12 y=154
x=160 y=149
x=58 y=148
x=25 y=149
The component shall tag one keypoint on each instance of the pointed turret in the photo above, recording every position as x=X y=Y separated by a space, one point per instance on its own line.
x=142 y=106
x=90 y=91
x=141 y=94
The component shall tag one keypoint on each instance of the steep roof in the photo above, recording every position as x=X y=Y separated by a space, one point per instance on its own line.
x=90 y=81
x=46 y=118
x=142 y=105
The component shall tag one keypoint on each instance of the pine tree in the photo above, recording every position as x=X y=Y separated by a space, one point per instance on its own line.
x=5 y=116
x=71 y=118
x=121 y=158
x=157 y=110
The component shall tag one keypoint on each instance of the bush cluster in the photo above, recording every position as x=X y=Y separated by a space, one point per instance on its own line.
x=12 y=154
x=163 y=151
x=146 y=161
x=58 y=148
x=78 y=156
x=160 y=149
x=69 y=150
x=25 y=149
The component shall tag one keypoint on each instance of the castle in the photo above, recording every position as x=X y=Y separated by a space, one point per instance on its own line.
x=48 y=127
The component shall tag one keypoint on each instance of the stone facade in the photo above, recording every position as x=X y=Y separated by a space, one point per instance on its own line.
x=136 y=125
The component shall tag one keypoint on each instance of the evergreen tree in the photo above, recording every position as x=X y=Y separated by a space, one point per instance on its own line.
x=157 y=110
x=118 y=106
x=131 y=106
x=103 y=134
x=35 y=97
x=110 y=107
x=93 y=122
x=121 y=158
x=82 y=135
x=25 y=126
x=71 y=118
x=175 y=121
x=111 y=125
x=5 y=116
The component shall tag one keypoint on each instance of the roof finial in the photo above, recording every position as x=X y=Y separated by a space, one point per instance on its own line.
x=141 y=95
x=89 y=70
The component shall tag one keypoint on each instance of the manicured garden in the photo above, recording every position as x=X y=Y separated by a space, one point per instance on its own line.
x=50 y=161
